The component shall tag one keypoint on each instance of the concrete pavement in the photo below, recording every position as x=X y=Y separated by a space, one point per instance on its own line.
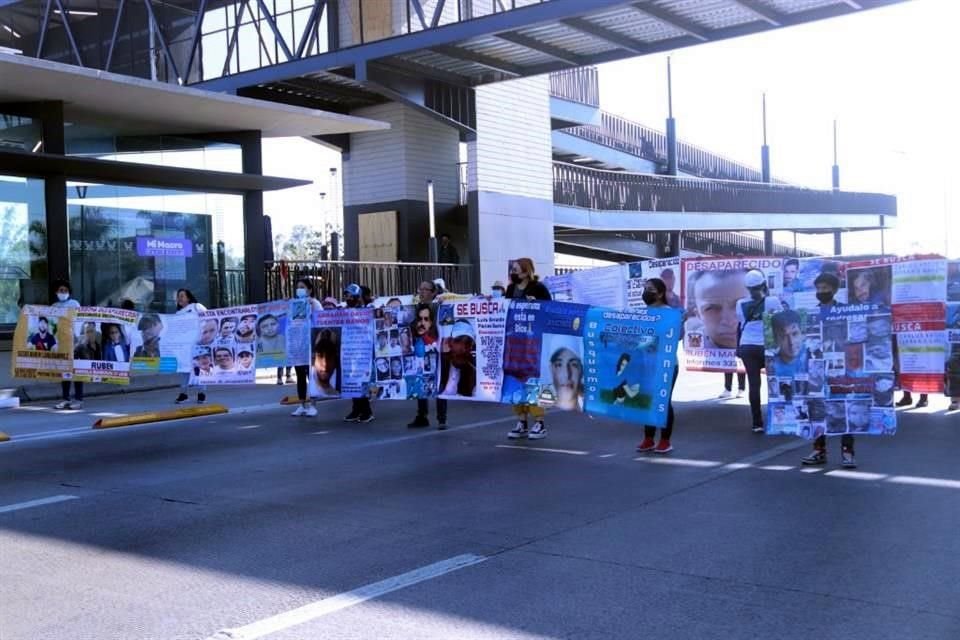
x=223 y=526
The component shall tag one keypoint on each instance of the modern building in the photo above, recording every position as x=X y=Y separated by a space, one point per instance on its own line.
x=464 y=86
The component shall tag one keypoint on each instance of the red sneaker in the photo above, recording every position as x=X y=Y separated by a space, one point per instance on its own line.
x=646 y=445
x=663 y=446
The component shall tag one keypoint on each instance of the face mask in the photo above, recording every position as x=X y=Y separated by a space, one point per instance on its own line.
x=63 y=297
x=515 y=278
x=649 y=297
x=497 y=293
x=301 y=292
x=824 y=297
x=757 y=294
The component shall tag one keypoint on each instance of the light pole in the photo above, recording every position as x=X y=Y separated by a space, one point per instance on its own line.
x=432 y=246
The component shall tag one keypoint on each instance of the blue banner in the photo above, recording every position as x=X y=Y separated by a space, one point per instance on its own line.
x=630 y=361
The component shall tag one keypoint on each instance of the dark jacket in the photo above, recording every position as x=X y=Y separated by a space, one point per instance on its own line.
x=535 y=289
x=448 y=254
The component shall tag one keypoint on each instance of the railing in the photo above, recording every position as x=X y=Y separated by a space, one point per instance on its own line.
x=463 y=181
x=577 y=85
x=597 y=189
x=734 y=243
x=228 y=287
x=383 y=278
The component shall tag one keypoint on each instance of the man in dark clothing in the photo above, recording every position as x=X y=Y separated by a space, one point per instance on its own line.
x=447 y=253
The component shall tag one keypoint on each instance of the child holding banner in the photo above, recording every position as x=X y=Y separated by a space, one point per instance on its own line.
x=64 y=293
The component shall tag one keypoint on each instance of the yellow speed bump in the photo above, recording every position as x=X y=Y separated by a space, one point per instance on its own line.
x=3 y=437
x=290 y=400
x=159 y=416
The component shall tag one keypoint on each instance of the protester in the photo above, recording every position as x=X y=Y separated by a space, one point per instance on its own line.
x=728 y=385
x=128 y=304
x=827 y=285
x=305 y=291
x=186 y=305
x=524 y=285
x=424 y=330
x=447 y=253
x=64 y=294
x=280 y=375
x=750 y=336
x=329 y=303
x=497 y=290
x=655 y=295
x=354 y=298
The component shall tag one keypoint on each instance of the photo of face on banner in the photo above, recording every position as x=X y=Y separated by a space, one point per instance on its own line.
x=87 y=342
x=458 y=360
x=711 y=300
x=791 y=355
x=561 y=372
x=869 y=285
x=325 y=362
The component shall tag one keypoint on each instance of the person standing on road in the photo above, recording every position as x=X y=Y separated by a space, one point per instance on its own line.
x=750 y=341
x=360 y=408
x=827 y=286
x=187 y=305
x=64 y=298
x=655 y=295
x=424 y=330
x=728 y=385
x=305 y=291
x=524 y=285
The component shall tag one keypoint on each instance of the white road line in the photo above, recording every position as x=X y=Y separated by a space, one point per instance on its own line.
x=248 y=426
x=46 y=435
x=679 y=462
x=856 y=475
x=571 y=452
x=36 y=503
x=341 y=601
x=606 y=455
x=926 y=482
x=777 y=467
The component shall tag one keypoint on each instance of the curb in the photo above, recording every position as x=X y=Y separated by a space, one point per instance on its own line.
x=159 y=416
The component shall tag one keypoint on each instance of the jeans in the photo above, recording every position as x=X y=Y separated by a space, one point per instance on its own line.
x=185 y=384
x=728 y=381
x=753 y=360
x=302 y=372
x=77 y=390
x=361 y=406
x=423 y=408
x=667 y=431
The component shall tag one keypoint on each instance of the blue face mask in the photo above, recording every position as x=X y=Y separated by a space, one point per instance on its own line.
x=301 y=292
x=498 y=293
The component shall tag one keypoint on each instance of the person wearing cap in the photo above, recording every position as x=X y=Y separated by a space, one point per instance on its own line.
x=305 y=291
x=360 y=409
x=458 y=369
x=427 y=303
x=524 y=285
x=498 y=290
x=827 y=285
x=329 y=303
x=750 y=349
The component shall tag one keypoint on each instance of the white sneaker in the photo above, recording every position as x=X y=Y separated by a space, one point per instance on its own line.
x=63 y=404
x=76 y=404
x=299 y=411
x=310 y=412
x=537 y=431
x=519 y=431
x=726 y=394
x=739 y=393
x=953 y=406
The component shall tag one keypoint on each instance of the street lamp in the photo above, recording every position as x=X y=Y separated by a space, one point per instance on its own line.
x=434 y=253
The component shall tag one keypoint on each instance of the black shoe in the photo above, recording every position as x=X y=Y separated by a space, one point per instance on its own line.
x=365 y=417
x=181 y=398
x=922 y=402
x=905 y=401
x=442 y=424
x=201 y=398
x=419 y=422
x=353 y=416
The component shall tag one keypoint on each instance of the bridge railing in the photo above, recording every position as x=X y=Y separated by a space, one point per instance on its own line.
x=578 y=85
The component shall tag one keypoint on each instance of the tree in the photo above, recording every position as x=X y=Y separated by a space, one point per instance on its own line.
x=303 y=244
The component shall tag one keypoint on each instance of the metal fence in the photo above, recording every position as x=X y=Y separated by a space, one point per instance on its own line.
x=578 y=85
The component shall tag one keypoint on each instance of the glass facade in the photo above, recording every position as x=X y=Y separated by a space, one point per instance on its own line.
x=144 y=244
x=23 y=245
x=165 y=151
x=20 y=133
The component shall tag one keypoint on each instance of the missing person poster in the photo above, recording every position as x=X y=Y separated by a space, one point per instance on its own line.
x=296 y=332
x=918 y=294
x=952 y=315
x=711 y=289
x=471 y=349
x=600 y=286
x=804 y=279
x=630 y=361
x=341 y=362
x=560 y=287
x=43 y=343
x=225 y=351
x=164 y=343
x=667 y=269
x=103 y=343
x=273 y=319
x=543 y=355
x=831 y=372
x=406 y=350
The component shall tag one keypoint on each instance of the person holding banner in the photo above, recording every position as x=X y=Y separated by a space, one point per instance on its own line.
x=187 y=304
x=655 y=295
x=750 y=336
x=426 y=337
x=64 y=293
x=305 y=290
x=354 y=297
x=524 y=285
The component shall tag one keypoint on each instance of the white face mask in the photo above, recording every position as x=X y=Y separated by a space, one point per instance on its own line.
x=301 y=292
x=63 y=297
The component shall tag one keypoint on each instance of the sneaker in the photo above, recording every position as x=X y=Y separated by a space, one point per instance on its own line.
x=817 y=456
x=289 y=380
x=538 y=431
x=76 y=404
x=846 y=459
x=63 y=404
x=519 y=431
x=419 y=422
x=181 y=398
x=365 y=417
x=647 y=445
x=905 y=401
x=299 y=411
x=310 y=412
x=739 y=393
x=353 y=416
x=953 y=406
x=201 y=398
x=441 y=424
x=922 y=402
x=663 y=446
x=757 y=428
x=279 y=381
x=726 y=394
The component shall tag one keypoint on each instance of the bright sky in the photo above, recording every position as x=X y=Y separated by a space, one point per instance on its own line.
x=887 y=75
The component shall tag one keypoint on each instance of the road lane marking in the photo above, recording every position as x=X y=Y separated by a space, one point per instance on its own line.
x=571 y=452
x=320 y=608
x=680 y=462
x=36 y=503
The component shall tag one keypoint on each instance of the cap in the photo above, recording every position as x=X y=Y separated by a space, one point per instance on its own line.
x=331 y=300
x=498 y=285
x=352 y=290
x=245 y=351
x=461 y=328
x=441 y=285
x=754 y=278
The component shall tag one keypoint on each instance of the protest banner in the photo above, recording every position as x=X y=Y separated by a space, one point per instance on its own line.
x=918 y=294
x=341 y=362
x=952 y=330
x=560 y=287
x=165 y=342
x=471 y=352
x=406 y=350
x=43 y=343
x=104 y=341
x=225 y=351
x=600 y=287
x=631 y=359
x=273 y=319
x=297 y=335
x=543 y=354
x=711 y=289
x=830 y=372
x=667 y=269
x=801 y=277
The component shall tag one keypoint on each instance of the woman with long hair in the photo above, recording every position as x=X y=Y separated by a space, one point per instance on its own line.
x=305 y=291
x=187 y=304
x=655 y=295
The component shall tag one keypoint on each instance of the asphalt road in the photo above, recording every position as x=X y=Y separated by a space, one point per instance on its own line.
x=257 y=524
